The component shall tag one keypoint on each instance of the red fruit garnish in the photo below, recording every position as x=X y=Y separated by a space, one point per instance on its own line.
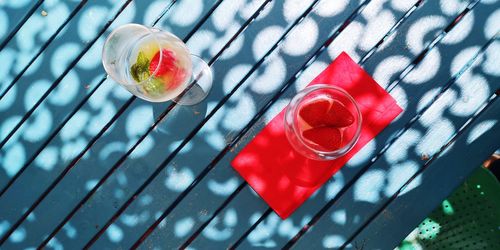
x=314 y=112
x=338 y=115
x=168 y=63
x=328 y=138
x=322 y=112
x=176 y=80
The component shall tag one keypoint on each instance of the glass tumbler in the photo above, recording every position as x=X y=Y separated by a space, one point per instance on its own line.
x=322 y=122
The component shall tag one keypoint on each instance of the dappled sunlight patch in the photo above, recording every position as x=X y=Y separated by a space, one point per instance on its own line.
x=435 y=114
x=265 y=39
x=10 y=97
x=389 y=67
x=126 y=16
x=277 y=107
x=339 y=217
x=491 y=26
x=462 y=58
x=401 y=5
x=18 y=235
x=23 y=58
x=130 y=220
x=447 y=208
x=216 y=140
x=145 y=200
x=480 y=129
x=238 y=116
x=98 y=121
x=398 y=175
x=333 y=241
x=71 y=149
x=119 y=194
x=92 y=59
x=331 y=8
x=201 y=41
x=13 y=159
x=334 y=185
x=232 y=77
x=474 y=91
x=75 y=125
x=55 y=244
x=4 y=226
x=139 y=120
x=100 y=97
x=90 y=21
x=310 y=73
x=27 y=36
x=366 y=153
x=435 y=137
x=369 y=186
x=426 y=69
x=347 y=41
x=224 y=188
x=490 y=64
x=376 y=29
x=90 y=184
x=4 y=23
x=183 y=227
x=302 y=38
x=62 y=57
x=265 y=229
x=287 y=229
x=461 y=32
x=213 y=233
x=399 y=149
x=178 y=180
x=115 y=233
x=6 y=127
x=40 y=125
x=34 y=92
x=8 y=58
x=223 y=19
x=428 y=229
x=154 y=10
x=293 y=8
x=425 y=26
x=272 y=78
x=218 y=44
x=48 y=158
x=70 y=231
x=452 y=7
x=110 y=148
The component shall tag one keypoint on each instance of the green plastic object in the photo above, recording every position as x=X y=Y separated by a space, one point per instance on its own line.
x=468 y=219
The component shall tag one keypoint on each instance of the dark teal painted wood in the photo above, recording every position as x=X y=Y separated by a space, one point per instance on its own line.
x=96 y=100
x=446 y=172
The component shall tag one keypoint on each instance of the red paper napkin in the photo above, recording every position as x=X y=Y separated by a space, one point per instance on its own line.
x=283 y=177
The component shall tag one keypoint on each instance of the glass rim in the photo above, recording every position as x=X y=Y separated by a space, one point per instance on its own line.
x=308 y=90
